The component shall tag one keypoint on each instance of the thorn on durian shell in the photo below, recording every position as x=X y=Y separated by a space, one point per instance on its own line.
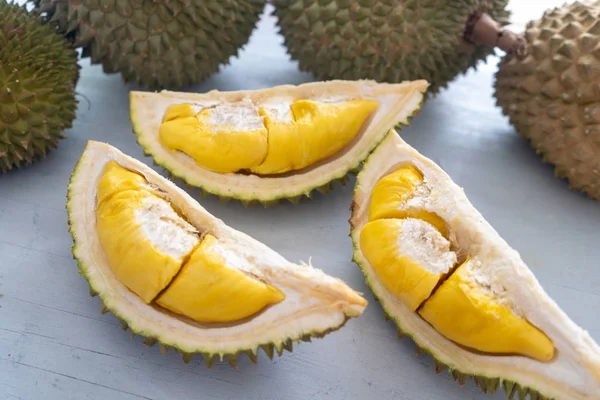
x=223 y=199
x=124 y=325
x=386 y=316
x=288 y=345
x=460 y=377
x=306 y=338
x=209 y=359
x=252 y=356
x=492 y=385
x=132 y=334
x=163 y=349
x=400 y=333
x=439 y=367
x=420 y=351
x=295 y=200
x=246 y=203
x=93 y=293
x=232 y=360
x=186 y=357
x=522 y=392
x=149 y=341
x=509 y=388
x=268 y=349
x=105 y=310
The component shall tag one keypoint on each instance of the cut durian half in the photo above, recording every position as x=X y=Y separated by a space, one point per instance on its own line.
x=451 y=283
x=270 y=144
x=176 y=274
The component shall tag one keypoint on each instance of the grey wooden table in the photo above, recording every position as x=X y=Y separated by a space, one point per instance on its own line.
x=55 y=343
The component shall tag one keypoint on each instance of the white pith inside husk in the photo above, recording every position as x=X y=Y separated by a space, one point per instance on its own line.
x=397 y=103
x=573 y=374
x=315 y=302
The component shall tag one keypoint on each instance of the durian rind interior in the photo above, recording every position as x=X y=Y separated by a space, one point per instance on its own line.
x=486 y=315
x=288 y=301
x=279 y=142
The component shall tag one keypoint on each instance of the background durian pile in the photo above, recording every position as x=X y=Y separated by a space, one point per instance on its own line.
x=550 y=93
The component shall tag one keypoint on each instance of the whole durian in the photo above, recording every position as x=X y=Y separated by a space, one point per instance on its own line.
x=392 y=40
x=552 y=95
x=162 y=44
x=38 y=74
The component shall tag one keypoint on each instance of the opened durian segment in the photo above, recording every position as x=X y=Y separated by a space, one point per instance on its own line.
x=408 y=248
x=267 y=139
x=161 y=257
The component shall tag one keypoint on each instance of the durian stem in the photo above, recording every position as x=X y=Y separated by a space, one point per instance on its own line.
x=481 y=29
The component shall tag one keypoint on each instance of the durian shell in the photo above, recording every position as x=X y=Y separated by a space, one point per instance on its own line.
x=38 y=75
x=157 y=45
x=384 y=40
x=399 y=102
x=551 y=96
x=574 y=373
x=316 y=304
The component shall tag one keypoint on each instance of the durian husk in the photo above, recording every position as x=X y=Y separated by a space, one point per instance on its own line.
x=551 y=96
x=38 y=75
x=155 y=44
x=329 y=306
x=398 y=103
x=387 y=40
x=573 y=374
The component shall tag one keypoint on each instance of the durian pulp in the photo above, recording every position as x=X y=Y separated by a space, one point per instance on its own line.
x=161 y=257
x=269 y=139
x=408 y=249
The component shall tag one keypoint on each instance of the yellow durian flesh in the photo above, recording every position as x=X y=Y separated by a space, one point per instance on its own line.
x=222 y=139
x=457 y=307
x=266 y=139
x=463 y=311
x=155 y=252
x=397 y=195
x=210 y=289
x=408 y=266
x=126 y=218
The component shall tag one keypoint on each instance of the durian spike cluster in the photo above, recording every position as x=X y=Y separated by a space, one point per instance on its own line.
x=156 y=44
x=391 y=40
x=38 y=75
x=552 y=97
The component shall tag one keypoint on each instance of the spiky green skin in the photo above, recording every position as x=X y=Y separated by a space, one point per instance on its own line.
x=164 y=44
x=38 y=74
x=551 y=96
x=384 y=40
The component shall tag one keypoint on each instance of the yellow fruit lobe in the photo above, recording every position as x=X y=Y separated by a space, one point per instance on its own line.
x=266 y=140
x=210 y=288
x=408 y=255
x=178 y=111
x=392 y=195
x=128 y=218
x=151 y=249
x=463 y=312
x=217 y=141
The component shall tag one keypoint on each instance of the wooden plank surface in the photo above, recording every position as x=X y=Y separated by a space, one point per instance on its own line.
x=55 y=343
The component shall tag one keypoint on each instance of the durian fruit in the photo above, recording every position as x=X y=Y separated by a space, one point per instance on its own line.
x=270 y=144
x=156 y=44
x=551 y=95
x=177 y=275
x=393 y=40
x=38 y=75
x=451 y=283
